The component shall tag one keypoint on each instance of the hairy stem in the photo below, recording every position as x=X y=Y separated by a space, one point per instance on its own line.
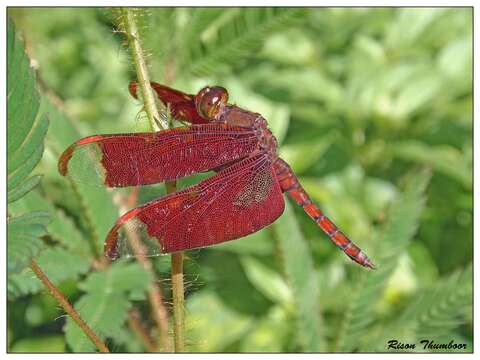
x=67 y=307
x=178 y=292
x=178 y=301
x=130 y=28
x=131 y=32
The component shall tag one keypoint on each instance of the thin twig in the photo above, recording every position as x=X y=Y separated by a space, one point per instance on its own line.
x=138 y=328
x=67 y=307
x=155 y=120
x=155 y=297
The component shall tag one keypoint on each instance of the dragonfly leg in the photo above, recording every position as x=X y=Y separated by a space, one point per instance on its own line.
x=289 y=184
x=180 y=105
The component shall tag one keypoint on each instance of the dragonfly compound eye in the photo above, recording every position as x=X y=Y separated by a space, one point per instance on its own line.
x=209 y=100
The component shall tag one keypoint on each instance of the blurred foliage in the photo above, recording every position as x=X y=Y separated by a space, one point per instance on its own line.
x=373 y=110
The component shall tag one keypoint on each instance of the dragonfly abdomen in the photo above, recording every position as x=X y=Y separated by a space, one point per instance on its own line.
x=290 y=184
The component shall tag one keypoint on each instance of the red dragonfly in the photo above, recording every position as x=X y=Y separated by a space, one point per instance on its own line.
x=244 y=196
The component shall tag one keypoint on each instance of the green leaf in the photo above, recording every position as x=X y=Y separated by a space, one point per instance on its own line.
x=298 y=268
x=416 y=94
x=441 y=308
x=409 y=25
x=23 y=234
x=98 y=210
x=270 y=334
x=58 y=264
x=214 y=324
x=302 y=50
x=21 y=190
x=455 y=62
x=303 y=155
x=266 y=281
x=121 y=277
x=350 y=197
x=258 y=243
x=397 y=233
x=62 y=229
x=277 y=114
x=17 y=176
x=305 y=84
x=42 y=344
x=26 y=127
x=444 y=158
x=104 y=313
x=105 y=305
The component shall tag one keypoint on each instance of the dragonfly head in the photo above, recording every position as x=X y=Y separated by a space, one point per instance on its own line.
x=210 y=100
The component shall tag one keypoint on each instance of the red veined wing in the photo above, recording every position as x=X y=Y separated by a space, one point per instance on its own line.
x=237 y=201
x=182 y=105
x=145 y=158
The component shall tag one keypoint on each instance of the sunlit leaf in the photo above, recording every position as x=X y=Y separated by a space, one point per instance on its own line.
x=265 y=280
x=270 y=333
x=213 y=325
x=445 y=159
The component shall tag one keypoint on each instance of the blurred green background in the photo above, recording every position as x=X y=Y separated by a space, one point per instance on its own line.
x=373 y=110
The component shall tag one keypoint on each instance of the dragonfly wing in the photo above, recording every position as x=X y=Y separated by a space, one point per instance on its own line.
x=181 y=105
x=145 y=158
x=237 y=201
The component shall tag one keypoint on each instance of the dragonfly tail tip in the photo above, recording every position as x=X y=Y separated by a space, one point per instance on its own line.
x=369 y=264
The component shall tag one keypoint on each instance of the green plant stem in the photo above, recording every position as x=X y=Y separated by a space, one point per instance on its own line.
x=155 y=120
x=177 y=293
x=67 y=307
x=133 y=38
x=178 y=301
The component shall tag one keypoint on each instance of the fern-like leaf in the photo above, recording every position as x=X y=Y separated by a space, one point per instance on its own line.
x=443 y=307
x=61 y=229
x=58 y=264
x=397 y=233
x=434 y=314
x=23 y=234
x=106 y=302
x=26 y=126
x=443 y=158
x=215 y=45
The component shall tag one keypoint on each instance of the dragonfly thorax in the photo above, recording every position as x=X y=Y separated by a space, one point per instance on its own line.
x=267 y=141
